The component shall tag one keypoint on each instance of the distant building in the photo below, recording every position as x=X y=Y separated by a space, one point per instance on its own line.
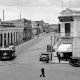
x=53 y=27
x=37 y=27
x=40 y=25
x=34 y=27
x=45 y=27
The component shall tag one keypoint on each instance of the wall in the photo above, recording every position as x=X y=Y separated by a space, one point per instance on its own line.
x=76 y=39
x=12 y=36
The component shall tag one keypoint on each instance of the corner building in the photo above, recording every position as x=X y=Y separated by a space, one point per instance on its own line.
x=69 y=33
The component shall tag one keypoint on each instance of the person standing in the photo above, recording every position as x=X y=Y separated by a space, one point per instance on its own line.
x=42 y=72
x=59 y=58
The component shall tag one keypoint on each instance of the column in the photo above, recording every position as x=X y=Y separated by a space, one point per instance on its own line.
x=74 y=29
x=22 y=35
x=15 y=36
x=12 y=37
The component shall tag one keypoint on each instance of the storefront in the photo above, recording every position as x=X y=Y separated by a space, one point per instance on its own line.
x=65 y=51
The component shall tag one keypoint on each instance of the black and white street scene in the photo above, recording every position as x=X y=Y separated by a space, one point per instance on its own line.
x=39 y=39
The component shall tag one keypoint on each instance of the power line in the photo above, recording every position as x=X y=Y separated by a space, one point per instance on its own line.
x=20 y=15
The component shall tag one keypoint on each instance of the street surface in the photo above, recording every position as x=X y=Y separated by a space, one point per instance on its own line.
x=26 y=66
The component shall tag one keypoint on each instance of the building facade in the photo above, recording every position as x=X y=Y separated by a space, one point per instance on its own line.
x=25 y=25
x=69 y=33
x=10 y=36
x=37 y=27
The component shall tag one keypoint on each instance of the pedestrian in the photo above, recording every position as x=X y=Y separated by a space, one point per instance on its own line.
x=59 y=58
x=42 y=72
x=57 y=54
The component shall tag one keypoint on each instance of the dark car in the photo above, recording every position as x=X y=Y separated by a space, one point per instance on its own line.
x=75 y=61
x=44 y=57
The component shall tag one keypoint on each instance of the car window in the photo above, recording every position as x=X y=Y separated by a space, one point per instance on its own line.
x=44 y=55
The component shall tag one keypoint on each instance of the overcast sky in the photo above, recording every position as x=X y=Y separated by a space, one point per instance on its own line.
x=47 y=10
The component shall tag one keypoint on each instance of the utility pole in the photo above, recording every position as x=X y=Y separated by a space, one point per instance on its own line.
x=3 y=15
x=51 y=47
x=20 y=15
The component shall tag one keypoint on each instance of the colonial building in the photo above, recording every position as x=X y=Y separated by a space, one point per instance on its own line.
x=69 y=33
x=10 y=35
x=25 y=24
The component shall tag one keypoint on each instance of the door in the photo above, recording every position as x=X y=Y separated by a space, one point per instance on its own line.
x=67 y=29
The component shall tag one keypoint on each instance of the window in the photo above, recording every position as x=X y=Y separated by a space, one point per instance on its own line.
x=8 y=38
x=11 y=38
x=1 y=39
x=4 y=39
x=67 y=29
x=59 y=28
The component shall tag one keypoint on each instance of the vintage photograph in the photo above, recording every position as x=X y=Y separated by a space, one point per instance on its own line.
x=39 y=39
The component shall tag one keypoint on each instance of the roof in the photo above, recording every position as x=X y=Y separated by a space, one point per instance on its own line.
x=68 y=11
x=19 y=23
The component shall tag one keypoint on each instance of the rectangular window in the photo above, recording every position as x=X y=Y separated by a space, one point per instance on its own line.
x=8 y=38
x=1 y=40
x=67 y=29
x=4 y=39
x=59 y=28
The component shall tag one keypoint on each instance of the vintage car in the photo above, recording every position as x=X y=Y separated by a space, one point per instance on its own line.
x=75 y=61
x=7 y=52
x=44 y=57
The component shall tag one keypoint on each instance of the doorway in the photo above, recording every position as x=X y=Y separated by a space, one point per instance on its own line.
x=67 y=56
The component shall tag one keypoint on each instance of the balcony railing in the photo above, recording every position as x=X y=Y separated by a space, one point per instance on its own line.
x=63 y=34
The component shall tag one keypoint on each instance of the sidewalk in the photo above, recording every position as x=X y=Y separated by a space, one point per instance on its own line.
x=55 y=60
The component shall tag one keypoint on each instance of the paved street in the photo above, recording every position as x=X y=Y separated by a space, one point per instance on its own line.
x=27 y=66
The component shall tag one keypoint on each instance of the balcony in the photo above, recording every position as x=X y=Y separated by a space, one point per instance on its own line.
x=66 y=35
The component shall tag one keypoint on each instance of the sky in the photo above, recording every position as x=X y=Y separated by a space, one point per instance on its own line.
x=46 y=10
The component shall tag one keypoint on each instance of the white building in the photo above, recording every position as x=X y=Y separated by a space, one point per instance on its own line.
x=10 y=35
x=69 y=33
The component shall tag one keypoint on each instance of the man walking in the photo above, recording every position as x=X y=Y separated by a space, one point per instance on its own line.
x=42 y=72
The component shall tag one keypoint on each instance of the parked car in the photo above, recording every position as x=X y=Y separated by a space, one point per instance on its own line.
x=75 y=61
x=44 y=57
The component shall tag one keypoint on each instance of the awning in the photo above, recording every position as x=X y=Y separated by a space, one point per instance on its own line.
x=65 y=48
